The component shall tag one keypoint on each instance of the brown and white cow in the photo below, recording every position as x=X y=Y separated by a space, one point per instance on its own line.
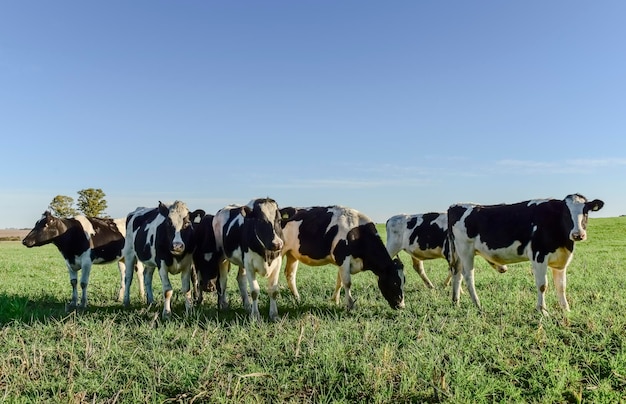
x=162 y=238
x=250 y=237
x=423 y=236
x=83 y=241
x=541 y=231
x=344 y=237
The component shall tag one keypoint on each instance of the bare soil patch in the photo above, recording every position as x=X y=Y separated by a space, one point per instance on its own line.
x=13 y=234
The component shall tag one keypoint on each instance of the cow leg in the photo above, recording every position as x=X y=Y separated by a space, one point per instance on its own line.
x=142 y=282
x=255 y=291
x=541 y=281
x=122 y=268
x=129 y=260
x=337 y=291
x=84 y=282
x=222 y=302
x=468 y=276
x=346 y=281
x=167 y=291
x=243 y=289
x=418 y=265
x=291 y=267
x=147 y=280
x=74 y=282
x=457 y=274
x=449 y=277
x=272 y=288
x=185 y=278
x=559 y=276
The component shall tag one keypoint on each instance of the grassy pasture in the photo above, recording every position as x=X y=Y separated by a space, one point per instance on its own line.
x=428 y=352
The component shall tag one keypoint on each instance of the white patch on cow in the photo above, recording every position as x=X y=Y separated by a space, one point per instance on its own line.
x=575 y=204
x=537 y=202
x=441 y=221
x=502 y=256
x=120 y=223
x=177 y=213
x=86 y=225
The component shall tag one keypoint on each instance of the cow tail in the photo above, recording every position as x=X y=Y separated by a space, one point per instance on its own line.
x=449 y=249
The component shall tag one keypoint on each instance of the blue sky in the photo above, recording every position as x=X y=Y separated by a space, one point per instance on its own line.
x=387 y=107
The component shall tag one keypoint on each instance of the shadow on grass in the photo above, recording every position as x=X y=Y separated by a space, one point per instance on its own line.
x=28 y=310
x=45 y=307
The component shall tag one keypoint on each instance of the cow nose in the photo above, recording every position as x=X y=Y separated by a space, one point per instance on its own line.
x=178 y=246
x=277 y=245
x=579 y=236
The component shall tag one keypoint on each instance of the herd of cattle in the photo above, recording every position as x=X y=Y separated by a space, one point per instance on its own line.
x=255 y=238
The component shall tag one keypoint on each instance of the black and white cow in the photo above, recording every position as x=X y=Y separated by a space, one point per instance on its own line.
x=162 y=238
x=83 y=241
x=423 y=236
x=250 y=237
x=206 y=257
x=344 y=237
x=540 y=231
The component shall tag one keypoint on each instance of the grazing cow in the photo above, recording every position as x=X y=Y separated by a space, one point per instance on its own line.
x=83 y=241
x=162 y=238
x=540 y=231
x=206 y=257
x=424 y=237
x=250 y=237
x=343 y=237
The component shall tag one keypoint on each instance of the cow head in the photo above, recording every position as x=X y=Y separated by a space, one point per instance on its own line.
x=577 y=213
x=45 y=231
x=265 y=228
x=177 y=227
x=391 y=285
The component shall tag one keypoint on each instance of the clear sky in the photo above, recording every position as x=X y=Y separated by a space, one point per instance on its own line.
x=384 y=106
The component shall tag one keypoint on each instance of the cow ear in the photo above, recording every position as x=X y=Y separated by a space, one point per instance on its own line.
x=595 y=205
x=196 y=215
x=163 y=210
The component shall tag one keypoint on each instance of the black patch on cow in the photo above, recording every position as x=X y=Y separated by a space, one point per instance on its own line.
x=313 y=233
x=233 y=232
x=428 y=234
x=411 y=223
x=206 y=245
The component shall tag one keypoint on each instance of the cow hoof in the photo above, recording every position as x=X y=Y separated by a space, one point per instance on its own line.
x=543 y=311
x=166 y=315
x=255 y=316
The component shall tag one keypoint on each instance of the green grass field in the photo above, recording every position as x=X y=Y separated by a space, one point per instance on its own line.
x=319 y=353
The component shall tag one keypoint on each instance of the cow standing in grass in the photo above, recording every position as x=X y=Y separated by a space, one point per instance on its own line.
x=423 y=236
x=162 y=238
x=83 y=241
x=541 y=231
x=343 y=237
x=250 y=237
x=206 y=257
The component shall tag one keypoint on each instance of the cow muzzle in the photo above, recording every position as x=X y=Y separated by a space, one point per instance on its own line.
x=178 y=248
x=578 y=236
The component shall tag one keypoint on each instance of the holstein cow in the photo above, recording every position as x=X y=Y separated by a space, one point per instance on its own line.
x=162 y=238
x=250 y=237
x=83 y=241
x=343 y=237
x=206 y=257
x=423 y=236
x=540 y=231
